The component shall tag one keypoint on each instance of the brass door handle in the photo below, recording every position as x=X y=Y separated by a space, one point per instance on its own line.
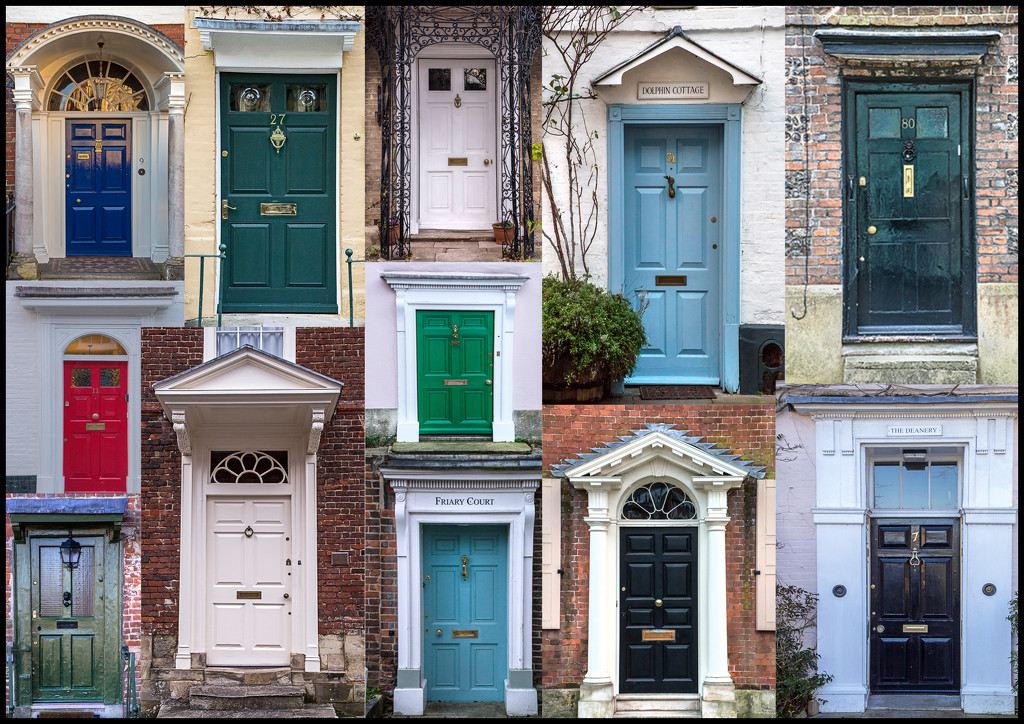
x=872 y=229
x=224 y=209
x=95 y=415
x=657 y=602
x=464 y=561
x=439 y=632
x=487 y=162
x=488 y=382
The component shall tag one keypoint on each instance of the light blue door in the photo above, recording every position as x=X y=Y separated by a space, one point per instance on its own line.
x=672 y=249
x=465 y=607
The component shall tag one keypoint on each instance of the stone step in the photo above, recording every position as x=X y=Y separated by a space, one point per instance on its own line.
x=216 y=676
x=638 y=704
x=237 y=698
x=314 y=711
x=656 y=714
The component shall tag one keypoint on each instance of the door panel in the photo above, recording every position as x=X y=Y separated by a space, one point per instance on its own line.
x=95 y=427
x=907 y=268
x=658 y=610
x=248 y=581
x=457 y=135
x=98 y=201
x=468 y=661
x=68 y=623
x=279 y=262
x=671 y=249
x=915 y=604
x=455 y=372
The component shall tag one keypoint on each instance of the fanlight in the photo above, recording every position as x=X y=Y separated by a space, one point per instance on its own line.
x=659 y=501
x=98 y=85
x=248 y=467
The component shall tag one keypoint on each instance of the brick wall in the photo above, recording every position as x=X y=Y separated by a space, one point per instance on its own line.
x=335 y=352
x=746 y=430
x=814 y=121
x=381 y=584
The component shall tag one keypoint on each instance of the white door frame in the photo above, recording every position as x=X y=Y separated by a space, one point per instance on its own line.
x=441 y=51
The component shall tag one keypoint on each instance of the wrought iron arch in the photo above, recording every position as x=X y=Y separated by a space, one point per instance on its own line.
x=398 y=33
x=659 y=500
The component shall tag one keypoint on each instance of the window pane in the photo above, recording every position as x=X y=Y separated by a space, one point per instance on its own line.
x=944 y=485
x=915 y=485
x=95 y=344
x=306 y=99
x=51 y=583
x=932 y=122
x=250 y=98
x=81 y=584
x=81 y=377
x=887 y=485
x=439 y=79
x=475 y=79
x=884 y=122
x=267 y=339
x=110 y=377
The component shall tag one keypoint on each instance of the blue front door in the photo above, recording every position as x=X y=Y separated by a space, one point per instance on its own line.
x=465 y=607
x=671 y=250
x=99 y=189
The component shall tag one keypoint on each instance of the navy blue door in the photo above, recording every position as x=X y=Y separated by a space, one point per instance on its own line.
x=465 y=607
x=99 y=190
x=671 y=250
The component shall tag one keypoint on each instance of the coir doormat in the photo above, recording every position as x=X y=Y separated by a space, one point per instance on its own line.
x=676 y=392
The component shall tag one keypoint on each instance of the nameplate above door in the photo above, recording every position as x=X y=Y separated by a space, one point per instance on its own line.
x=658 y=634
x=670 y=280
x=251 y=595
x=277 y=210
x=458 y=161
x=648 y=89
x=465 y=633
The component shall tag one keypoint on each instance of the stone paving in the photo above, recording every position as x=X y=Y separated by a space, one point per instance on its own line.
x=472 y=710
x=100 y=267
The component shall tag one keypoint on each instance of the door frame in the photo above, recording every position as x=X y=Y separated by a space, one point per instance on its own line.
x=728 y=117
x=219 y=180
x=444 y=51
x=850 y=89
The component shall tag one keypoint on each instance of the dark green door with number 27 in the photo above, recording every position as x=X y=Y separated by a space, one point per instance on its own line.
x=278 y=210
x=455 y=372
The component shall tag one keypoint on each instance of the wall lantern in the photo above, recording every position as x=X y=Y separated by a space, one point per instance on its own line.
x=70 y=552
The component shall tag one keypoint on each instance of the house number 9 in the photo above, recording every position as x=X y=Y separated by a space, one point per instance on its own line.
x=908 y=123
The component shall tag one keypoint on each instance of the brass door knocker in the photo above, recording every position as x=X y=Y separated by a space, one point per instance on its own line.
x=458 y=101
x=914 y=559
x=455 y=336
x=671 y=187
x=464 y=561
x=277 y=138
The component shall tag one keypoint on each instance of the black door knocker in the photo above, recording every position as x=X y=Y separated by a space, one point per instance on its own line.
x=909 y=152
x=248 y=531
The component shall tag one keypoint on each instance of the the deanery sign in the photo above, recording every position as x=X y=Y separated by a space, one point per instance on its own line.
x=668 y=90
x=900 y=430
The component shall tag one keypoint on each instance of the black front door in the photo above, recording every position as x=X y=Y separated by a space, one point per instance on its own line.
x=910 y=263
x=915 y=606
x=658 y=610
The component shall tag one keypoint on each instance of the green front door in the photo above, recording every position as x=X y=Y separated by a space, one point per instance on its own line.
x=910 y=266
x=278 y=210
x=455 y=372
x=72 y=619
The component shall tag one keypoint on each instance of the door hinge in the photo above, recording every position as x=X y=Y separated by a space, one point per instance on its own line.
x=126 y=397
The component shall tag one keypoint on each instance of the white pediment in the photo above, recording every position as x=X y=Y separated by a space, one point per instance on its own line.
x=248 y=371
x=676 y=39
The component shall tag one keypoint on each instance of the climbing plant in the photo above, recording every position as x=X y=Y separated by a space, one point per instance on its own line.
x=796 y=664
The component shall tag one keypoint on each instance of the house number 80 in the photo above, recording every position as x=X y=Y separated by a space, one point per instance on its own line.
x=908 y=123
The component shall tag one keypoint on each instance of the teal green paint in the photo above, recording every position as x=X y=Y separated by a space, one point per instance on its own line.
x=455 y=347
x=279 y=263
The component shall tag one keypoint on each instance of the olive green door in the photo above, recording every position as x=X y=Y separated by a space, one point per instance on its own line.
x=74 y=624
x=911 y=269
x=455 y=372
x=278 y=210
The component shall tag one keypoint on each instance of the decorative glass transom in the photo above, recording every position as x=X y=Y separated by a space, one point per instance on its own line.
x=659 y=501
x=98 y=85
x=249 y=466
x=95 y=344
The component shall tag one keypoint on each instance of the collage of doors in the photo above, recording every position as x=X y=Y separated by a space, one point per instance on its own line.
x=493 y=361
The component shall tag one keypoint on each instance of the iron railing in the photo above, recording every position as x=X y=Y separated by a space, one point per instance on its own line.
x=131 y=699
x=398 y=33
x=202 y=276
x=9 y=226
x=10 y=681
x=351 y=302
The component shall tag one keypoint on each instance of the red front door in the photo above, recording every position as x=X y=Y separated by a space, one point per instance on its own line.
x=95 y=427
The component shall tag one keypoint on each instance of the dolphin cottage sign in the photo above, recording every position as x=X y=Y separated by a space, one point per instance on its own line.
x=673 y=90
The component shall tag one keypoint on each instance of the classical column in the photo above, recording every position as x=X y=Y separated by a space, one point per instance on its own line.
x=27 y=83
x=174 y=265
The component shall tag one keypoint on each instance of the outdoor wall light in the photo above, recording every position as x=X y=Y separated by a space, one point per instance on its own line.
x=70 y=552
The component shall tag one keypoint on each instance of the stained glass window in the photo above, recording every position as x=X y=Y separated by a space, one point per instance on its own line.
x=81 y=377
x=251 y=466
x=306 y=99
x=475 y=79
x=110 y=377
x=95 y=344
x=98 y=85
x=659 y=501
x=250 y=98
x=439 y=79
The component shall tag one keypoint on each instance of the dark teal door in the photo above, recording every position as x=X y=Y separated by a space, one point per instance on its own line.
x=455 y=372
x=465 y=608
x=910 y=270
x=671 y=249
x=98 y=206
x=278 y=210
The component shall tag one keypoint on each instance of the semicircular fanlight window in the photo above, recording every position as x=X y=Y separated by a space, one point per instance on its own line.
x=249 y=467
x=98 y=85
x=659 y=501
x=95 y=344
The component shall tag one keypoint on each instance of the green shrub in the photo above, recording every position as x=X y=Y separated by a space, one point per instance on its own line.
x=589 y=335
x=796 y=667
x=1012 y=618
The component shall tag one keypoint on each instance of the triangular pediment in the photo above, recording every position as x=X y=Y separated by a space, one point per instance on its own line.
x=248 y=370
x=657 y=441
x=676 y=40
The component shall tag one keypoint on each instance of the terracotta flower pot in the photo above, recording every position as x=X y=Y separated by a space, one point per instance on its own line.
x=503 y=234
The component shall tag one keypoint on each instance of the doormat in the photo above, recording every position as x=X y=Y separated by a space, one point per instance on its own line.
x=78 y=267
x=677 y=392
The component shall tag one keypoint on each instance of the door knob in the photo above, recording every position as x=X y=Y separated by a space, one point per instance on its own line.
x=880 y=628
x=487 y=162
x=286 y=595
x=95 y=415
x=488 y=382
x=224 y=209
x=439 y=632
x=657 y=602
x=872 y=229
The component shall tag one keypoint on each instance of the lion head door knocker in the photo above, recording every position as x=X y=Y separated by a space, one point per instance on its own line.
x=277 y=138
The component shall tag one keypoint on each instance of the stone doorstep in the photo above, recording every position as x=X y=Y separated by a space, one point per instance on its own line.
x=912 y=702
x=656 y=714
x=246 y=697
x=669 y=704
x=214 y=676
x=320 y=711
x=465 y=446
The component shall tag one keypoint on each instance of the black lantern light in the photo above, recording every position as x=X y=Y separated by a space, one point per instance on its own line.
x=70 y=552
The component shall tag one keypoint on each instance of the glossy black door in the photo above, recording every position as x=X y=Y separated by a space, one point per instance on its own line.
x=658 y=610
x=915 y=606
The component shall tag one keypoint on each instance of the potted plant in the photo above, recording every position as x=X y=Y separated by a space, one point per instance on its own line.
x=388 y=231
x=503 y=231
x=590 y=337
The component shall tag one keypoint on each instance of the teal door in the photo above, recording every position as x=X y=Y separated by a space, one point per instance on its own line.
x=908 y=190
x=455 y=372
x=671 y=254
x=465 y=608
x=278 y=210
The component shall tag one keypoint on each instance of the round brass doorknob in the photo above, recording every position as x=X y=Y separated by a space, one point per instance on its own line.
x=487 y=162
x=657 y=603
x=872 y=229
x=862 y=258
x=95 y=415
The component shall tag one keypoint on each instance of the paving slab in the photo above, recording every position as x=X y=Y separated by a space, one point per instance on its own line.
x=448 y=448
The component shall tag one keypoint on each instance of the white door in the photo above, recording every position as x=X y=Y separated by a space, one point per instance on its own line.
x=248 y=552
x=457 y=142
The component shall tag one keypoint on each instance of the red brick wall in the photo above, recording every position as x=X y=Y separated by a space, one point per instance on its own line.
x=746 y=430
x=381 y=585
x=814 y=120
x=335 y=352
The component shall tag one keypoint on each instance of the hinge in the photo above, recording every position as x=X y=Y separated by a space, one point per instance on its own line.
x=126 y=397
